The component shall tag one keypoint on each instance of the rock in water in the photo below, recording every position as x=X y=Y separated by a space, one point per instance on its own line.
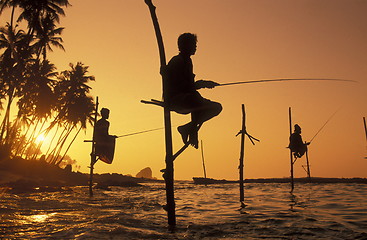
x=145 y=173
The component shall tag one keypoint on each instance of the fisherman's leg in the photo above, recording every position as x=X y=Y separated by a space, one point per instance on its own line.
x=182 y=104
x=207 y=111
x=185 y=131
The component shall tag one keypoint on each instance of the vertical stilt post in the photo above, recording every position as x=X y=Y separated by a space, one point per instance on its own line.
x=365 y=129
x=308 y=167
x=291 y=156
x=242 y=154
x=202 y=158
x=365 y=126
x=169 y=174
x=93 y=153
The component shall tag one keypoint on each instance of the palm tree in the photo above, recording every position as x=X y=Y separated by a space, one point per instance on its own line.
x=47 y=36
x=9 y=4
x=38 y=99
x=76 y=107
x=11 y=68
x=35 y=12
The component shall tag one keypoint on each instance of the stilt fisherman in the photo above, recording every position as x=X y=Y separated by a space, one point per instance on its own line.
x=296 y=144
x=182 y=95
x=105 y=143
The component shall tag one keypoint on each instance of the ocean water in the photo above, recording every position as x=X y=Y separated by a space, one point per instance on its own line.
x=313 y=211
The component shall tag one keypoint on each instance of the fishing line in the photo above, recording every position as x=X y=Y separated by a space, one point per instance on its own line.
x=145 y=131
x=288 y=79
x=324 y=125
x=261 y=81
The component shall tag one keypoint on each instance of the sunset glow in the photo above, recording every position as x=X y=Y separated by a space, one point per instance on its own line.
x=238 y=40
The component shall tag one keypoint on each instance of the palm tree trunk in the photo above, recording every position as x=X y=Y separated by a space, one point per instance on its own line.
x=53 y=152
x=5 y=123
x=62 y=144
x=25 y=134
x=12 y=17
x=67 y=149
x=52 y=140
x=29 y=139
x=40 y=143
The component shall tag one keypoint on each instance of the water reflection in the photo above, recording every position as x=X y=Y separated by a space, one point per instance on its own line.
x=39 y=218
x=293 y=201
x=270 y=211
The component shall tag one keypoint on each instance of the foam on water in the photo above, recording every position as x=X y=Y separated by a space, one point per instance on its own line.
x=313 y=211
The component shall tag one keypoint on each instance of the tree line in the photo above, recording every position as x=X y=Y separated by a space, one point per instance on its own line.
x=54 y=104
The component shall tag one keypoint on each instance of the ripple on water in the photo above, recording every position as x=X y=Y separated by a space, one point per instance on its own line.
x=316 y=211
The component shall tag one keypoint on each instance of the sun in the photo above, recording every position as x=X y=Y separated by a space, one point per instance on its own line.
x=40 y=138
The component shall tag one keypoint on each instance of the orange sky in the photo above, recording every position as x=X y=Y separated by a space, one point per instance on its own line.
x=238 y=40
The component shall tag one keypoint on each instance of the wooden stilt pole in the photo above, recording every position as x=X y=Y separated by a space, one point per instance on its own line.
x=242 y=154
x=169 y=174
x=93 y=153
x=291 y=156
x=308 y=167
x=365 y=129
x=169 y=171
x=365 y=126
x=202 y=158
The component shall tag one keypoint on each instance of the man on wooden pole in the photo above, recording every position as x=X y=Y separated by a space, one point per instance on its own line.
x=181 y=90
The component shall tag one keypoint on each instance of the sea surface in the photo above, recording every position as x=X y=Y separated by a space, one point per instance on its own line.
x=312 y=211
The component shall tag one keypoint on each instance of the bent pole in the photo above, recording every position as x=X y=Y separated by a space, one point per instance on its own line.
x=168 y=175
x=286 y=79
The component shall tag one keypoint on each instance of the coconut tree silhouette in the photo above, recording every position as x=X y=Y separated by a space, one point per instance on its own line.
x=48 y=36
x=21 y=74
x=35 y=11
x=38 y=99
x=11 y=69
x=42 y=95
x=75 y=106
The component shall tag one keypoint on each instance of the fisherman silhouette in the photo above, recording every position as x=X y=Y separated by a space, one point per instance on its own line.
x=181 y=93
x=296 y=144
x=105 y=143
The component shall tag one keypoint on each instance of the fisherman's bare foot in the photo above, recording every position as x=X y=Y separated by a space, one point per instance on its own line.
x=193 y=139
x=184 y=130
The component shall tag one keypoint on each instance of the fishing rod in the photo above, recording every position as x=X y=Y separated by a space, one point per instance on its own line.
x=287 y=79
x=324 y=125
x=145 y=131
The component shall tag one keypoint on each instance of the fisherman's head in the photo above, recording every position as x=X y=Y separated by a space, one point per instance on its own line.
x=187 y=43
x=105 y=113
x=297 y=128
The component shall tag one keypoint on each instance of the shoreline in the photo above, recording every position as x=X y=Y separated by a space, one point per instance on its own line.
x=200 y=180
x=19 y=175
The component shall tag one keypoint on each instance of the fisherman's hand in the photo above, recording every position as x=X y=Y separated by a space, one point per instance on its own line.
x=205 y=84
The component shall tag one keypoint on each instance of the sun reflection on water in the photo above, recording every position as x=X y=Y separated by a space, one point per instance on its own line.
x=39 y=218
